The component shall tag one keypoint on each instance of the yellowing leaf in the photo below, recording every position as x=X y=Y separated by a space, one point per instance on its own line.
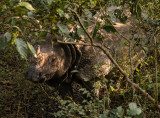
x=146 y=63
x=26 y=5
x=31 y=48
x=139 y=60
x=121 y=91
x=112 y=89
x=137 y=70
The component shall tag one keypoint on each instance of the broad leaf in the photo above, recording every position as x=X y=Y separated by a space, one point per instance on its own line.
x=18 y=28
x=60 y=12
x=81 y=32
x=109 y=28
x=104 y=115
x=120 y=111
x=30 y=14
x=26 y=5
x=112 y=8
x=31 y=48
x=50 y=1
x=63 y=28
x=21 y=47
x=88 y=14
x=3 y=42
x=42 y=35
x=4 y=39
x=119 y=13
x=144 y=15
x=95 y=31
x=133 y=109
x=134 y=112
x=132 y=105
x=8 y=36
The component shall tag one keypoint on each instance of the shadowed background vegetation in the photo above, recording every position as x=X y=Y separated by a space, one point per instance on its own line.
x=26 y=22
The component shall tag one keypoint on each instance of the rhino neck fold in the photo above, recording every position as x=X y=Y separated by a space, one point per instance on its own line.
x=67 y=60
x=76 y=56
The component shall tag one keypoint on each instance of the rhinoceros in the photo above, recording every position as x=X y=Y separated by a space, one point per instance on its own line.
x=61 y=64
x=58 y=64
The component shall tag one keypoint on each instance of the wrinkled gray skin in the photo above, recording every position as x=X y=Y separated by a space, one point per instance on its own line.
x=53 y=61
x=53 y=65
x=61 y=63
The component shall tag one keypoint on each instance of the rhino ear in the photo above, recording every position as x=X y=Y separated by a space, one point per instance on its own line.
x=38 y=49
x=49 y=37
x=53 y=38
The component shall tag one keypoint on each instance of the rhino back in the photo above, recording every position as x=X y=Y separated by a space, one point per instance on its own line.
x=94 y=63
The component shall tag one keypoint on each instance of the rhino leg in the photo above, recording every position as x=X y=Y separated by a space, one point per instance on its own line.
x=79 y=78
x=65 y=89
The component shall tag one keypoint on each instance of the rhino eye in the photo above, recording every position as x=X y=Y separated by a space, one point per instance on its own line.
x=53 y=59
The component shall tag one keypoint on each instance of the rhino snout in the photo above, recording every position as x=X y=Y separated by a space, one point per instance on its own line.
x=34 y=75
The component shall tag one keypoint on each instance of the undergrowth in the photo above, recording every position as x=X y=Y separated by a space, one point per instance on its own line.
x=21 y=98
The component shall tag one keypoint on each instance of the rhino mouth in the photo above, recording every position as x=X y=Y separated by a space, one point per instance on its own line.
x=45 y=77
x=37 y=77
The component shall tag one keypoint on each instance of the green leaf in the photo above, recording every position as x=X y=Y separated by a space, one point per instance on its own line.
x=60 y=12
x=85 y=92
x=4 y=39
x=18 y=29
x=120 y=111
x=109 y=28
x=112 y=16
x=31 y=48
x=120 y=15
x=132 y=105
x=50 y=1
x=63 y=28
x=88 y=14
x=134 y=110
x=42 y=35
x=21 y=47
x=138 y=10
x=30 y=14
x=8 y=36
x=81 y=32
x=26 y=5
x=112 y=89
x=104 y=115
x=3 y=42
x=144 y=15
x=14 y=21
x=95 y=31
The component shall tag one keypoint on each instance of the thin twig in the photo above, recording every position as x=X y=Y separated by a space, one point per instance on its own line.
x=120 y=69
x=126 y=75
x=81 y=24
x=156 y=67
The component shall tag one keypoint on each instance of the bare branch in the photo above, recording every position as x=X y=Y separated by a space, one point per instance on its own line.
x=156 y=67
x=126 y=75
x=80 y=22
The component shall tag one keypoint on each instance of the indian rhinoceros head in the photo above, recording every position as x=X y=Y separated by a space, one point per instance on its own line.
x=53 y=61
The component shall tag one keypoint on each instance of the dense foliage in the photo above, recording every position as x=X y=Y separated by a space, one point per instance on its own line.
x=25 y=22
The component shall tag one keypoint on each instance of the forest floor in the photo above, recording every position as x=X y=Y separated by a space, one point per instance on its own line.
x=20 y=98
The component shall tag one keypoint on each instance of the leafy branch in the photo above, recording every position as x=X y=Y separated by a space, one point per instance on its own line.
x=126 y=76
